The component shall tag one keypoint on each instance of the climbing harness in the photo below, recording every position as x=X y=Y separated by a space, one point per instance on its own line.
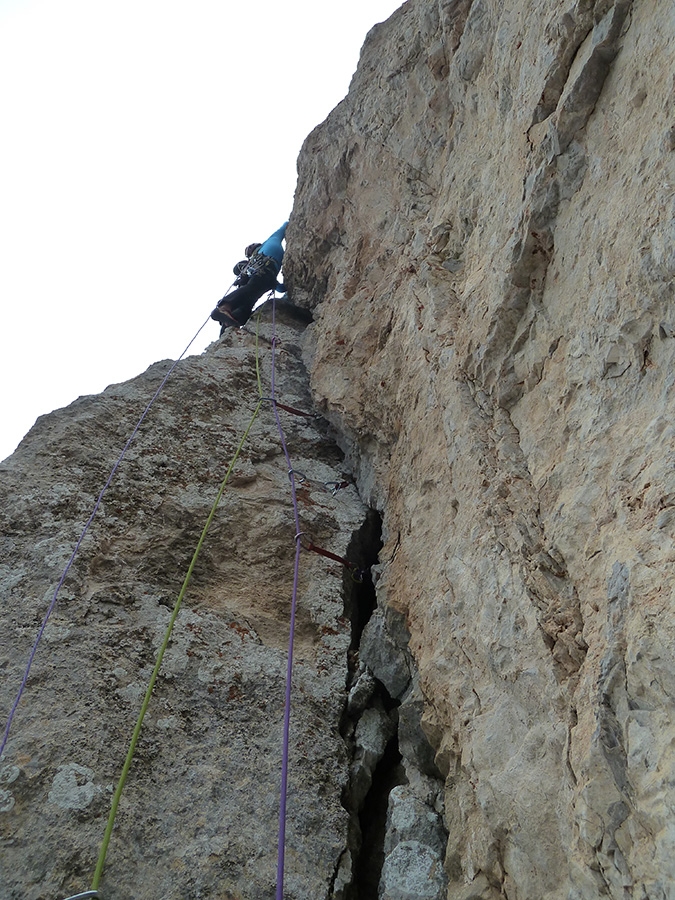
x=262 y=265
x=52 y=604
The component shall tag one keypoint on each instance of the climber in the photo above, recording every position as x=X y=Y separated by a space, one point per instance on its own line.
x=256 y=275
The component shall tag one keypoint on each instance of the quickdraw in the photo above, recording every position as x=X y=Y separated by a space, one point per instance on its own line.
x=262 y=265
x=85 y=894
x=292 y=409
x=331 y=487
x=297 y=412
x=357 y=573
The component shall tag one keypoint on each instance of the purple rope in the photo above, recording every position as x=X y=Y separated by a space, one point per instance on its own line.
x=289 y=666
x=50 y=609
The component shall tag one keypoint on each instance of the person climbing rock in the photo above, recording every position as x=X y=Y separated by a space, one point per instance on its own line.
x=256 y=275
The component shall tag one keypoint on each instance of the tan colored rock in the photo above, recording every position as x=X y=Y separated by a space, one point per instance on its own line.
x=484 y=230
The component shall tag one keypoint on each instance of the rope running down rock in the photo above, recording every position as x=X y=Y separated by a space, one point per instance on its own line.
x=52 y=604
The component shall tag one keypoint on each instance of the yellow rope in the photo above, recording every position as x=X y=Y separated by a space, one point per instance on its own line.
x=155 y=672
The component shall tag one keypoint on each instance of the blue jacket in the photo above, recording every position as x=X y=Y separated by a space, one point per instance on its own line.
x=272 y=246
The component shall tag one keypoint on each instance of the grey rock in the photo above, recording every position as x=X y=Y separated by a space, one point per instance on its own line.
x=409 y=818
x=199 y=813
x=412 y=871
x=511 y=419
x=512 y=422
x=384 y=654
x=412 y=740
x=374 y=730
x=361 y=691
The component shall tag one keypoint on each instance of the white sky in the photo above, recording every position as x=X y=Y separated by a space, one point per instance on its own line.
x=143 y=145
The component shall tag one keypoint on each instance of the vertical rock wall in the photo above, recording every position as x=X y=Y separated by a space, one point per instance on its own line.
x=199 y=813
x=484 y=229
x=484 y=232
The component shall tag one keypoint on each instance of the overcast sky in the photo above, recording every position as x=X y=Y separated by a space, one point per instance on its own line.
x=143 y=144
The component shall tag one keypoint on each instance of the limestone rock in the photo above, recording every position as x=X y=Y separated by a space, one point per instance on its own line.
x=386 y=655
x=414 y=848
x=361 y=692
x=413 y=740
x=484 y=231
x=374 y=731
x=199 y=813
x=411 y=871
x=411 y=819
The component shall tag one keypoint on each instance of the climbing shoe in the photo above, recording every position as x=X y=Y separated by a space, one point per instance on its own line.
x=224 y=315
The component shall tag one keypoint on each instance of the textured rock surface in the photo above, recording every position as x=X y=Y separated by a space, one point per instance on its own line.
x=484 y=229
x=199 y=814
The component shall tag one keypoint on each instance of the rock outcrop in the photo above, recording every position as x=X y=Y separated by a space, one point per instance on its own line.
x=483 y=232
x=198 y=816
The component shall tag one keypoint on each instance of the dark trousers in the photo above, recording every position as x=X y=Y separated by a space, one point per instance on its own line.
x=242 y=300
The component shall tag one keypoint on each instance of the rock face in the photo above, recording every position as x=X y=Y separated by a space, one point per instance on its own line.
x=199 y=814
x=483 y=231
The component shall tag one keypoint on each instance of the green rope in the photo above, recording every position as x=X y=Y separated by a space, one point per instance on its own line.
x=257 y=357
x=165 y=643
